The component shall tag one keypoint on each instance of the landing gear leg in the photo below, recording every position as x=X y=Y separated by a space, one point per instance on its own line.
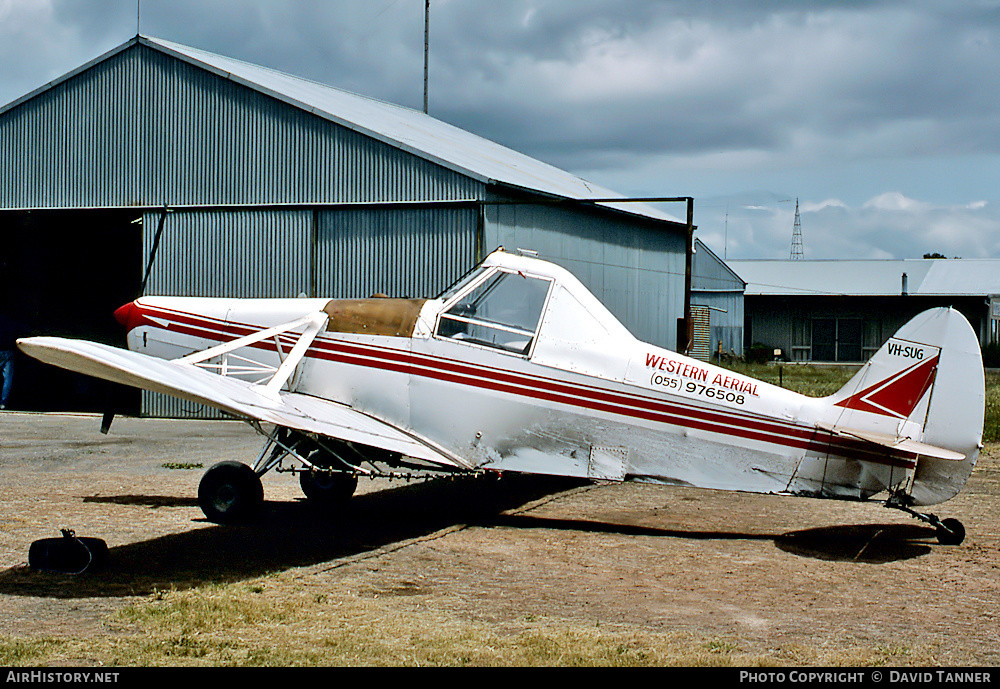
x=330 y=480
x=948 y=531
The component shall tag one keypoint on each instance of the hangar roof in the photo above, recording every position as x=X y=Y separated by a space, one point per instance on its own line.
x=925 y=277
x=398 y=126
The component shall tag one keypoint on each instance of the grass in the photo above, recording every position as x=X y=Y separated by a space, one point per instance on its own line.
x=816 y=381
x=282 y=621
x=991 y=425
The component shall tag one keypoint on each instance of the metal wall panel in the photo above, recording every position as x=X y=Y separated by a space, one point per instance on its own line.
x=143 y=128
x=245 y=254
x=727 y=322
x=74 y=144
x=710 y=273
x=772 y=327
x=232 y=144
x=411 y=252
x=635 y=269
x=715 y=285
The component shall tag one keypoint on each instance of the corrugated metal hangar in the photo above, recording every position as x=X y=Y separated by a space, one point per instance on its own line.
x=843 y=311
x=160 y=169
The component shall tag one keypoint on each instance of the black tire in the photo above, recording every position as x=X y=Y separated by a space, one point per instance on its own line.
x=230 y=492
x=327 y=489
x=950 y=532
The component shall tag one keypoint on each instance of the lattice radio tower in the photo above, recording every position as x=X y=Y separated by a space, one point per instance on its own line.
x=796 y=253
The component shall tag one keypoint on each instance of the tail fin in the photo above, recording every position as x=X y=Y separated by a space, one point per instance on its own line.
x=925 y=384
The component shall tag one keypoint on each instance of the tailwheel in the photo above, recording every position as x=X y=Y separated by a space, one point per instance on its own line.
x=950 y=532
x=230 y=492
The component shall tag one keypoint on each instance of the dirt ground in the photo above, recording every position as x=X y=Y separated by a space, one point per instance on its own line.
x=766 y=570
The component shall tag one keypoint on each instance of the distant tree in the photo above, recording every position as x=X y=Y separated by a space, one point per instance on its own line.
x=935 y=255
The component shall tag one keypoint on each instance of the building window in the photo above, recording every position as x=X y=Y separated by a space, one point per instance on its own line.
x=873 y=339
x=837 y=339
x=849 y=339
x=801 y=340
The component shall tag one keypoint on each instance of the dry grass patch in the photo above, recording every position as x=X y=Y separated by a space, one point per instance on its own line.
x=282 y=621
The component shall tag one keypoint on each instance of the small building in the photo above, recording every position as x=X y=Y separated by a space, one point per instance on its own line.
x=157 y=168
x=843 y=311
x=716 y=306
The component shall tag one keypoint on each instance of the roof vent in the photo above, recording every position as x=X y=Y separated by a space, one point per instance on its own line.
x=905 y=286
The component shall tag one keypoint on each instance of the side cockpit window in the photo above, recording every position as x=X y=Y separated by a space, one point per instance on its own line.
x=502 y=311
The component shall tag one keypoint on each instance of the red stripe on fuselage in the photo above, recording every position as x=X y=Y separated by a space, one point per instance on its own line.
x=728 y=422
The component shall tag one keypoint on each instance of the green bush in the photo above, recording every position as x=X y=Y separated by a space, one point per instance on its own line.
x=759 y=353
x=991 y=355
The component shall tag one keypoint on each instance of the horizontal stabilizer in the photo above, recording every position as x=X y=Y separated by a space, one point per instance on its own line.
x=894 y=443
x=237 y=397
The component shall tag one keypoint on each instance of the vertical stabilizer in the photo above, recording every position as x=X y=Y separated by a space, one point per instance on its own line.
x=926 y=384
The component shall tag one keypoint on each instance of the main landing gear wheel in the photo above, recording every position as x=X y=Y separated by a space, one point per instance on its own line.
x=230 y=492
x=950 y=532
x=327 y=489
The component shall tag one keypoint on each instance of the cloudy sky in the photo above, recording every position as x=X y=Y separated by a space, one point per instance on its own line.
x=880 y=116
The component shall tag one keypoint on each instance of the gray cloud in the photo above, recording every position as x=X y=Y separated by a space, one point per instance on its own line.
x=819 y=99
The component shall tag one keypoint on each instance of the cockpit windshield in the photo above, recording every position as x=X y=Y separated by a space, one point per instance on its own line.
x=464 y=281
x=503 y=311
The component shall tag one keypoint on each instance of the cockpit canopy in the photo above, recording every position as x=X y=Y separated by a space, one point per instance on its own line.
x=501 y=309
x=530 y=308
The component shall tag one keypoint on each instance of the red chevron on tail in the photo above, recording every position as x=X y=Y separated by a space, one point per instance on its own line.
x=897 y=395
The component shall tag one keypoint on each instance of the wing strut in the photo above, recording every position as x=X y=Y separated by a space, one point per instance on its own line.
x=314 y=322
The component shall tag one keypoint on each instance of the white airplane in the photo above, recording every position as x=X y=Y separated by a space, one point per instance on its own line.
x=519 y=368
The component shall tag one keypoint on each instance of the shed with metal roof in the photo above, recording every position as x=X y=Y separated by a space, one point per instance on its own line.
x=716 y=305
x=160 y=168
x=844 y=310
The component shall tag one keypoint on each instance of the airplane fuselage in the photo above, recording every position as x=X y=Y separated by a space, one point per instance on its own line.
x=519 y=368
x=628 y=411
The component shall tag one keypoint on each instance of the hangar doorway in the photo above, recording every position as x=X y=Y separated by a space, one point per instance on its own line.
x=64 y=272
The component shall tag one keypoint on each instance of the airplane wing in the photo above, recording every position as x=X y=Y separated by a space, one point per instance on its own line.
x=184 y=379
x=894 y=443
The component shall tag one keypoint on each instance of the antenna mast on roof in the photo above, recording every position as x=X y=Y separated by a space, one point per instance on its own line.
x=796 y=253
x=427 y=31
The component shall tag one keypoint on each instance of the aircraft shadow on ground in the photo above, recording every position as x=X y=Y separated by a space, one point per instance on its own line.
x=869 y=543
x=294 y=534
x=288 y=534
